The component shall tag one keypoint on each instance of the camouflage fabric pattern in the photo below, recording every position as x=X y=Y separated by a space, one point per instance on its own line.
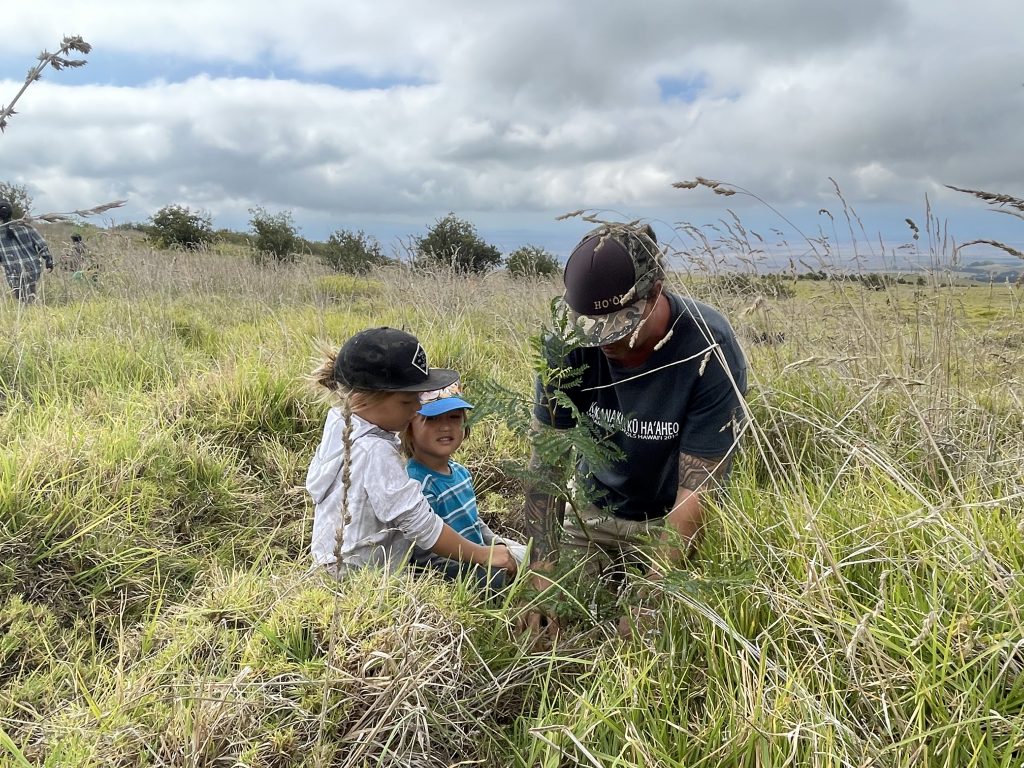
x=597 y=330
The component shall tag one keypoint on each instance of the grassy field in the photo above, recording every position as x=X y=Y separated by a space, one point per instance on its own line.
x=857 y=600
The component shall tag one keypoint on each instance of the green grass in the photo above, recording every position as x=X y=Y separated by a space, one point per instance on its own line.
x=857 y=599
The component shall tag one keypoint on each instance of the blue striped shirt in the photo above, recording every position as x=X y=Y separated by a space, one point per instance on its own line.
x=452 y=497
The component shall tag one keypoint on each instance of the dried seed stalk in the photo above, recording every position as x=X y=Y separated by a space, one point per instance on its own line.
x=57 y=61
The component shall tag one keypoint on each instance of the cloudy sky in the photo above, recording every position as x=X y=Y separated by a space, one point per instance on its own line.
x=386 y=115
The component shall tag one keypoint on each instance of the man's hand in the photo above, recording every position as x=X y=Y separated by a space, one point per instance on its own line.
x=49 y=265
x=540 y=623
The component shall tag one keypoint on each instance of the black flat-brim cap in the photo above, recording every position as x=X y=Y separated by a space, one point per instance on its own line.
x=388 y=360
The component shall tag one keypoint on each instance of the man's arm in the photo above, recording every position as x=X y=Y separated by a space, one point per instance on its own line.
x=42 y=249
x=543 y=513
x=544 y=509
x=699 y=477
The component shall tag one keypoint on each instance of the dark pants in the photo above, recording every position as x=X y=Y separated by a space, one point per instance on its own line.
x=491 y=581
x=23 y=286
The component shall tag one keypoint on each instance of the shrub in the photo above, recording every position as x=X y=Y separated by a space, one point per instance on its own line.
x=131 y=226
x=276 y=235
x=750 y=285
x=234 y=238
x=874 y=281
x=454 y=243
x=17 y=196
x=354 y=253
x=818 y=275
x=532 y=261
x=178 y=225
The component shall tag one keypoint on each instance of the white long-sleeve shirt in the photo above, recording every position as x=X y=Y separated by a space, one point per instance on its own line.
x=388 y=510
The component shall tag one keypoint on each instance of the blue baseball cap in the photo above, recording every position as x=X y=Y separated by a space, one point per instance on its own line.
x=438 y=401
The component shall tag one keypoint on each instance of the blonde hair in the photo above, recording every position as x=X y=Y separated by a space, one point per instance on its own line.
x=336 y=392
x=405 y=438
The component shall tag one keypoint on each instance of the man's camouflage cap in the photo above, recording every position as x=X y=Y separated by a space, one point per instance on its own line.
x=607 y=280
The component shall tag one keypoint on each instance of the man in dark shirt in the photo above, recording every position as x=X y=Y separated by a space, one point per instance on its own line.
x=662 y=381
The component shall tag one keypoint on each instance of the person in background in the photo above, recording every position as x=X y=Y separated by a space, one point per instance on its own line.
x=23 y=251
x=77 y=261
x=74 y=256
x=368 y=511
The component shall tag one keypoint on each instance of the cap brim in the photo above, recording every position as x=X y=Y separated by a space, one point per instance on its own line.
x=443 y=405
x=599 y=330
x=438 y=378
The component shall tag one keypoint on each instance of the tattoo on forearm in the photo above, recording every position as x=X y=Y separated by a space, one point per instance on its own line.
x=539 y=513
x=697 y=473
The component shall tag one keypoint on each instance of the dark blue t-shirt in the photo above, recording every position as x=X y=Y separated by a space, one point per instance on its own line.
x=654 y=412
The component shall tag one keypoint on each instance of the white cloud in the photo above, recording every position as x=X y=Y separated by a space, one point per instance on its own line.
x=524 y=110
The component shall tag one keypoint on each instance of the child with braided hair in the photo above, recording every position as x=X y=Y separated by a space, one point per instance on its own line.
x=368 y=511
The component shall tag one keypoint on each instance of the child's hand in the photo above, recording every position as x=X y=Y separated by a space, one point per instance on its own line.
x=501 y=557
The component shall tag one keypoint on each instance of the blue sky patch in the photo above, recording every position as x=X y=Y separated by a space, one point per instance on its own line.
x=132 y=70
x=686 y=89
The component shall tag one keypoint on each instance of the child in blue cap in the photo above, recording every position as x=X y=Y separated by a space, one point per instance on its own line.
x=433 y=435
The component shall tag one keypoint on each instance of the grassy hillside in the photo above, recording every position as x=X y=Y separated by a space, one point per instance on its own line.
x=857 y=600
